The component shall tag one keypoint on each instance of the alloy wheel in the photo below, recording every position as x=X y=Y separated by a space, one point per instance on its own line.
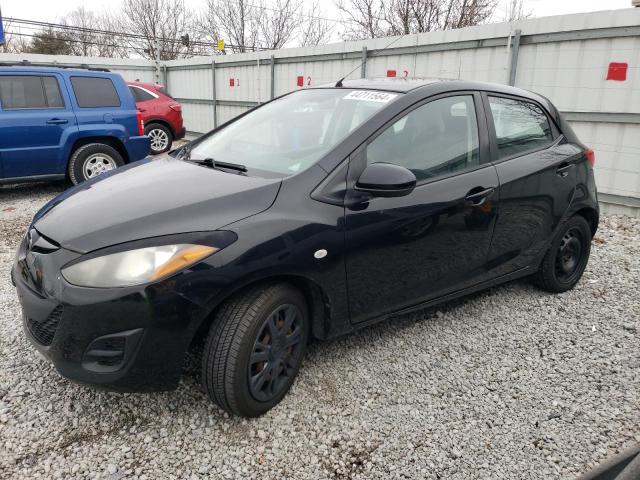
x=97 y=164
x=159 y=139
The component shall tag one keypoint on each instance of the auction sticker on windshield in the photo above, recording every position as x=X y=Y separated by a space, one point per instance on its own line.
x=371 y=96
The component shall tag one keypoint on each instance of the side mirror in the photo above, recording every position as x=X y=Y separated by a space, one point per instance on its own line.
x=386 y=180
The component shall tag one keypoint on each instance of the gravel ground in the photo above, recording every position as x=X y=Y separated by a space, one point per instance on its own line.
x=510 y=383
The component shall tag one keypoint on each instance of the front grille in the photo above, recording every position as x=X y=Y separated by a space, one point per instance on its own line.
x=44 y=331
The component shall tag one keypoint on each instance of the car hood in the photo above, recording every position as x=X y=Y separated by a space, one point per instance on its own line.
x=151 y=198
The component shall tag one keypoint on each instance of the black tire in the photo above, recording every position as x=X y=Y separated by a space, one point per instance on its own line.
x=566 y=259
x=79 y=167
x=161 y=132
x=233 y=350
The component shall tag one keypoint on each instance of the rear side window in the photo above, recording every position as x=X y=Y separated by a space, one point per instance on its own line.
x=93 y=92
x=140 y=95
x=29 y=91
x=520 y=126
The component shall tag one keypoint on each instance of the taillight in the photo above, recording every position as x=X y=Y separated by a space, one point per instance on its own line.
x=591 y=157
x=175 y=106
x=140 y=123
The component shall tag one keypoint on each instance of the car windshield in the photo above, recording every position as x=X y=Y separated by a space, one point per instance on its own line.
x=292 y=133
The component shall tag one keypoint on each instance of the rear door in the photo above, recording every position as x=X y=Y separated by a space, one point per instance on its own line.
x=406 y=250
x=536 y=168
x=35 y=121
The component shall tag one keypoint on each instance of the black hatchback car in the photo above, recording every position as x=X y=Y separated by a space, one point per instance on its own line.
x=311 y=216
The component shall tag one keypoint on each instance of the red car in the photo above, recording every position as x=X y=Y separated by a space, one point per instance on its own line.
x=161 y=114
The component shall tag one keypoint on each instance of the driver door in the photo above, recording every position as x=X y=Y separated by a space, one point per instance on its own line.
x=402 y=251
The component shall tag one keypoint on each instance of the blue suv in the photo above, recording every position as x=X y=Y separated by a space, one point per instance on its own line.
x=58 y=123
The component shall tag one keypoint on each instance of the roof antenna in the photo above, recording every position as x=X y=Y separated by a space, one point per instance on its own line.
x=339 y=82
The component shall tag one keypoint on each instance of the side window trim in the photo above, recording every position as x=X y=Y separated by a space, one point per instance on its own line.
x=493 y=141
x=358 y=157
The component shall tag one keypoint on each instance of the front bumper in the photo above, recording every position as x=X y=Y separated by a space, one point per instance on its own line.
x=181 y=133
x=126 y=339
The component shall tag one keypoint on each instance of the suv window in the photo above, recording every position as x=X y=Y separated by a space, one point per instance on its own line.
x=29 y=91
x=92 y=92
x=520 y=126
x=140 y=95
x=435 y=139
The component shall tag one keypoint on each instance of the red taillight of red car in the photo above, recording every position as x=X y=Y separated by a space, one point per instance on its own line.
x=591 y=157
x=175 y=106
x=140 y=123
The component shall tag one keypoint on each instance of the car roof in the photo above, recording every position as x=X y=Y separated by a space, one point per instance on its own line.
x=432 y=86
x=407 y=84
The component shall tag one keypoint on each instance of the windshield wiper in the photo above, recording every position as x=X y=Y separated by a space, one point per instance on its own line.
x=211 y=163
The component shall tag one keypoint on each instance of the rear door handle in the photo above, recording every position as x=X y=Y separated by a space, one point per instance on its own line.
x=57 y=121
x=563 y=169
x=478 y=198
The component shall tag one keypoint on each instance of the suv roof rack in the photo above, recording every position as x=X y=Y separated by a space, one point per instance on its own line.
x=27 y=63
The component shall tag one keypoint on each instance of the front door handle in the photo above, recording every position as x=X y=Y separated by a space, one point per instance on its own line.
x=563 y=169
x=477 y=198
x=57 y=121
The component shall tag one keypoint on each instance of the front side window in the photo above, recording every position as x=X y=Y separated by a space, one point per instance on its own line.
x=292 y=133
x=520 y=126
x=95 y=92
x=435 y=139
x=29 y=91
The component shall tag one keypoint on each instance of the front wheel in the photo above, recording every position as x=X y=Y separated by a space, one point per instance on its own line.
x=566 y=260
x=160 y=138
x=255 y=348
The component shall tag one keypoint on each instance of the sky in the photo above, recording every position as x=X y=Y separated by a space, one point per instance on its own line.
x=52 y=10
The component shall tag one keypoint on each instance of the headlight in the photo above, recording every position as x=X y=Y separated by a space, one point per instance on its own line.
x=134 y=267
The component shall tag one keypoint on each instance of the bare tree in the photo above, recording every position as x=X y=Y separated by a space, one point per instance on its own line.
x=85 y=39
x=237 y=22
x=167 y=20
x=94 y=34
x=13 y=41
x=247 y=25
x=314 y=29
x=376 y=18
x=279 y=23
x=516 y=11
x=364 y=18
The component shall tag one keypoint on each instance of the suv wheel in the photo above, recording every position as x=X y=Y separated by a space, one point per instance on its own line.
x=160 y=136
x=564 y=263
x=92 y=160
x=255 y=348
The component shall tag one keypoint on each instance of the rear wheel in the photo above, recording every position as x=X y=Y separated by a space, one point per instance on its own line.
x=92 y=160
x=255 y=348
x=566 y=260
x=160 y=137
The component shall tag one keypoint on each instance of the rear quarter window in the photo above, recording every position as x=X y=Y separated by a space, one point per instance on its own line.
x=95 y=92
x=140 y=95
x=520 y=126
